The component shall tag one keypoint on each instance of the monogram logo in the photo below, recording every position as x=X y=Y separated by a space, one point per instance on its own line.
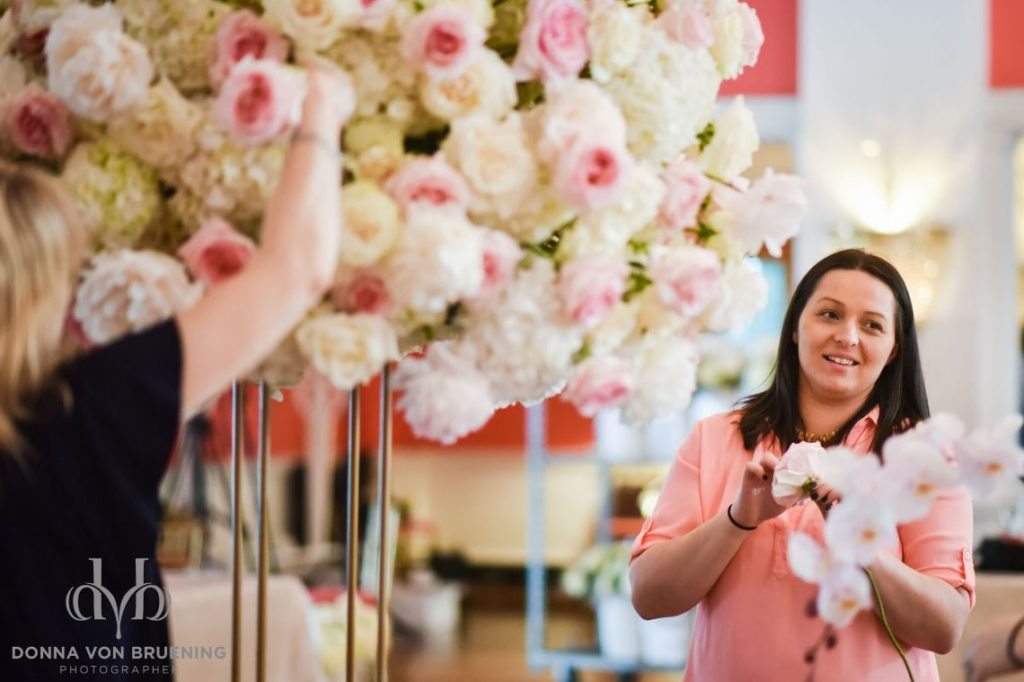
x=102 y=597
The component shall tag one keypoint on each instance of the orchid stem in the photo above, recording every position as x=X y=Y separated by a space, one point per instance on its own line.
x=885 y=624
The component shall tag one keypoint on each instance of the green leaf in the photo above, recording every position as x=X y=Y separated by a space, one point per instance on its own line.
x=530 y=94
x=703 y=232
x=582 y=354
x=638 y=281
x=705 y=136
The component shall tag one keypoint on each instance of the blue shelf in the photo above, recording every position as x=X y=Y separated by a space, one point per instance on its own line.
x=564 y=664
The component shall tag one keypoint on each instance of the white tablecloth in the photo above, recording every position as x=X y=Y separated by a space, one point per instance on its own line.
x=200 y=616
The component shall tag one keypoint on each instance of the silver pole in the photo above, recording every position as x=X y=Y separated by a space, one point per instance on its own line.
x=383 y=505
x=237 y=422
x=264 y=534
x=352 y=534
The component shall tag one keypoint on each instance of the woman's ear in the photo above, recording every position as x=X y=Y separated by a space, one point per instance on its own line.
x=892 y=355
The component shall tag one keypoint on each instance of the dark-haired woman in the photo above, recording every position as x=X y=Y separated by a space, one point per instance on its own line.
x=847 y=372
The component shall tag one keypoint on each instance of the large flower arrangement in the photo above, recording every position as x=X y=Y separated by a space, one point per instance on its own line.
x=877 y=494
x=536 y=192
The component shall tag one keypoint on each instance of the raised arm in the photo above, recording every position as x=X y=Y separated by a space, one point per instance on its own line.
x=243 y=319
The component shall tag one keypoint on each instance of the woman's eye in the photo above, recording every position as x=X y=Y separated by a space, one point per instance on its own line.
x=829 y=315
x=875 y=326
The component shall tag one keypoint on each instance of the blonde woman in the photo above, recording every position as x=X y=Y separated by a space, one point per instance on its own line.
x=84 y=441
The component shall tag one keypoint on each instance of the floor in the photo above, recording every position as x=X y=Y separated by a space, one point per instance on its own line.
x=491 y=647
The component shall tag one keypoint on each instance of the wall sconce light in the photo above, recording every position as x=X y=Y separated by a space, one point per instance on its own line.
x=920 y=255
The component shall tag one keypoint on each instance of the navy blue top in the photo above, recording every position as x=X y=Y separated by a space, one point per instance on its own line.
x=79 y=519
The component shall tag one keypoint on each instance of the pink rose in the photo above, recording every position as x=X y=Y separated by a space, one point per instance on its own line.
x=686 y=22
x=260 y=100
x=686 y=188
x=216 y=252
x=590 y=287
x=501 y=256
x=430 y=181
x=591 y=174
x=686 y=279
x=442 y=41
x=243 y=34
x=39 y=123
x=366 y=292
x=553 y=43
x=599 y=383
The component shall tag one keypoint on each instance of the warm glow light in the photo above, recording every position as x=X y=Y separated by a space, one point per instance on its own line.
x=870 y=148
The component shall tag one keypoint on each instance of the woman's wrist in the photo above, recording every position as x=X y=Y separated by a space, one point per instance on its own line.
x=738 y=521
x=1013 y=645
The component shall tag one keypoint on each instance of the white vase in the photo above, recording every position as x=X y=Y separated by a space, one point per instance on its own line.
x=615 y=440
x=665 y=642
x=618 y=628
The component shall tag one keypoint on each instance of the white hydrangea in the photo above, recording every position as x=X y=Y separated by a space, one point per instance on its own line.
x=126 y=291
x=312 y=24
x=524 y=344
x=118 y=195
x=161 y=130
x=225 y=178
x=666 y=377
x=614 y=37
x=380 y=77
x=444 y=396
x=347 y=349
x=437 y=260
x=744 y=293
x=178 y=36
x=667 y=96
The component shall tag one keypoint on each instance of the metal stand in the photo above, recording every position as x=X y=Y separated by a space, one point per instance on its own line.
x=384 y=507
x=352 y=535
x=263 y=535
x=237 y=412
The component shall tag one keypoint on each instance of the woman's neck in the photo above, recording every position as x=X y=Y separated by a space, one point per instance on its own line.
x=822 y=417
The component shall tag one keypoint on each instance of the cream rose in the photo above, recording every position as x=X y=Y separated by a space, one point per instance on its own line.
x=313 y=24
x=731 y=150
x=96 y=69
x=161 y=130
x=347 y=349
x=371 y=223
x=496 y=161
x=487 y=88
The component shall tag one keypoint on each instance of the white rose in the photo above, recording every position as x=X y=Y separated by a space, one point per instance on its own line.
x=614 y=35
x=371 y=223
x=313 y=24
x=347 y=349
x=496 y=161
x=731 y=150
x=96 y=69
x=614 y=329
x=482 y=11
x=487 y=88
x=437 y=261
x=798 y=467
x=161 y=130
x=127 y=291
x=727 y=48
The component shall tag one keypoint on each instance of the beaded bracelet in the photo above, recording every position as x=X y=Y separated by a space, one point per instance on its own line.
x=319 y=141
x=1011 y=640
x=728 y=511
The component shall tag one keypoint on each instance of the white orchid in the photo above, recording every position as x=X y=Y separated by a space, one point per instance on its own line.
x=988 y=456
x=845 y=592
x=858 y=529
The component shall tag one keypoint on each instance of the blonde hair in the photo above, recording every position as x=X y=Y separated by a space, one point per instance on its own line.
x=42 y=243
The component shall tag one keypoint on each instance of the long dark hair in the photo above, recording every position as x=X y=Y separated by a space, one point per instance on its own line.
x=899 y=392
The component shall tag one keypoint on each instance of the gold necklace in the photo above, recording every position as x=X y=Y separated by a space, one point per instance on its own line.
x=806 y=437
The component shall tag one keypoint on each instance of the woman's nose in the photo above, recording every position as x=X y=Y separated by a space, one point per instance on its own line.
x=847 y=335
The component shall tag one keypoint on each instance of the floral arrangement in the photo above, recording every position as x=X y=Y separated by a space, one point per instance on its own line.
x=537 y=192
x=602 y=570
x=877 y=494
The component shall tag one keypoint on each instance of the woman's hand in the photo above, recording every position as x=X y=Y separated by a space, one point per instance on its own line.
x=754 y=503
x=329 y=92
x=825 y=496
x=985 y=655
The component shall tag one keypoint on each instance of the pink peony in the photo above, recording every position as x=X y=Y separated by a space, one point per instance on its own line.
x=590 y=287
x=686 y=22
x=260 y=100
x=216 y=252
x=501 y=256
x=686 y=187
x=553 y=43
x=591 y=174
x=599 y=383
x=243 y=34
x=442 y=41
x=428 y=181
x=686 y=279
x=39 y=123
x=366 y=292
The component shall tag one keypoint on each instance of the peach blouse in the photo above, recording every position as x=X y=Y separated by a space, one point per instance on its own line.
x=753 y=625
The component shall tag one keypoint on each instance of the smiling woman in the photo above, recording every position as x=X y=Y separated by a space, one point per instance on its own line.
x=847 y=372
